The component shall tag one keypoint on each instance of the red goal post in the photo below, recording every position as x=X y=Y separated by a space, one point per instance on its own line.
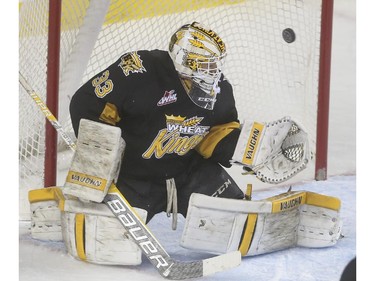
x=278 y=62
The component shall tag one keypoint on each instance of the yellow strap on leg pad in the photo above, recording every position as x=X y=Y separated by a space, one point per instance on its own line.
x=45 y=213
x=93 y=234
x=299 y=218
x=96 y=162
x=216 y=225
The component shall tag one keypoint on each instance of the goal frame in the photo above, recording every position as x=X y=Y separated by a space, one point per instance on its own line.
x=322 y=129
x=53 y=70
x=52 y=91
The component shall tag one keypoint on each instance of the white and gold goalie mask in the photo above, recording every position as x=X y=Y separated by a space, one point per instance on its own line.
x=198 y=55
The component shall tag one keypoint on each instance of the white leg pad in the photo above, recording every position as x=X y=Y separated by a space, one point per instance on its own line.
x=45 y=213
x=46 y=221
x=301 y=218
x=96 y=162
x=274 y=232
x=212 y=230
x=318 y=227
x=92 y=234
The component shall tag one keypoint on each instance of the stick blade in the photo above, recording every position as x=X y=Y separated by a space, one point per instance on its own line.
x=221 y=263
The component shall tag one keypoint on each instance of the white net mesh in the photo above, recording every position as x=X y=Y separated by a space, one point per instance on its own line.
x=32 y=63
x=271 y=77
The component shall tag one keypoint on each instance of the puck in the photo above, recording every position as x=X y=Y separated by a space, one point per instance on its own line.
x=288 y=35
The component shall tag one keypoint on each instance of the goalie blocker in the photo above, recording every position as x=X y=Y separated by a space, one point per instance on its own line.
x=90 y=230
x=96 y=162
x=298 y=218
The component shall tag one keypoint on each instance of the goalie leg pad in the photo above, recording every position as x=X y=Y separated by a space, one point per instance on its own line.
x=93 y=234
x=318 y=227
x=45 y=213
x=221 y=225
x=96 y=162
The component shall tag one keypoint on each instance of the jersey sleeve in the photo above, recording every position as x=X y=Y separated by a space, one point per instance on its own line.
x=99 y=99
x=220 y=142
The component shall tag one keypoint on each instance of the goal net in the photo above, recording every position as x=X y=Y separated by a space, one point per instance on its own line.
x=274 y=61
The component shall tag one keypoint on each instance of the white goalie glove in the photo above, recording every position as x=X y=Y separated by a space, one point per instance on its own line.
x=274 y=151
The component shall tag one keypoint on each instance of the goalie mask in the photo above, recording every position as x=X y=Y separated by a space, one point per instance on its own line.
x=198 y=55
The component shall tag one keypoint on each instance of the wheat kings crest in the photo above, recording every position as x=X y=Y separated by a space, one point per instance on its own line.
x=179 y=136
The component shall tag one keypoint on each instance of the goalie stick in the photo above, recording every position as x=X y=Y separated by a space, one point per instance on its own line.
x=167 y=267
x=51 y=118
x=136 y=228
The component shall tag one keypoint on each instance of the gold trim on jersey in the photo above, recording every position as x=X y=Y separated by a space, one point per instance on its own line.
x=110 y=114
x=216 y=134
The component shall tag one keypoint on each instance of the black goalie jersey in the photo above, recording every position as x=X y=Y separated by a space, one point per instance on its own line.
x=163 y=129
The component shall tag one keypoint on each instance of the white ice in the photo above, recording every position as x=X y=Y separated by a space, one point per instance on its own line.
x=48 y=261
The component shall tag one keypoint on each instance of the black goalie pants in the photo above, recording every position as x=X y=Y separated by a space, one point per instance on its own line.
x=204 y=177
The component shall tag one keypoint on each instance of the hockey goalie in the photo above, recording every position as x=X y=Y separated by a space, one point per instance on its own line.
x=162 y=125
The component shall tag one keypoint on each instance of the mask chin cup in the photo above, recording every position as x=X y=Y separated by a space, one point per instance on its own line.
x=203 y=94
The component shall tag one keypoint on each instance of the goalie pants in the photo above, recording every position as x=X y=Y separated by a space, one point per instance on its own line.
x=203 y=176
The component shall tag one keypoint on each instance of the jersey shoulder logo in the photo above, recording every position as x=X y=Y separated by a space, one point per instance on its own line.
x=168 y=97
x=131 y=62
